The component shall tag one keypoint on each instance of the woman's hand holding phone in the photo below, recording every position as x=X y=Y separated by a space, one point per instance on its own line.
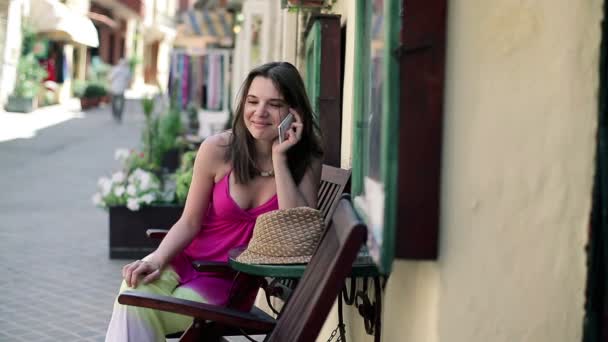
x=290 y=132
x=285 y=126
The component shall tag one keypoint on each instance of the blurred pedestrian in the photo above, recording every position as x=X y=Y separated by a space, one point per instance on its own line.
x=120 y=78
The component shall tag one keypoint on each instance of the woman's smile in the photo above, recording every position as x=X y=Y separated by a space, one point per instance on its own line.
x=260 y=124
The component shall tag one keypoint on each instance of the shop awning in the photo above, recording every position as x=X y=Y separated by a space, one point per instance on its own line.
x=56 y=21
x=201 y=27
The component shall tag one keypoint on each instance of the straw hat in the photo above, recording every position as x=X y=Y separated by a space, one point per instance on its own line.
x=285 y=236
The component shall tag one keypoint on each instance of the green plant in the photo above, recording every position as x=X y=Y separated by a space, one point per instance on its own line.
x=28 y=39
x=49 y=97
x=29 y=71
x=147 y=105
x=192 y=112
x=133 y=62
x=183 y=176
x=29 y=76
x=170 y=129
x=78 y=87
x=98 y=71
x=139 y=160
x=94 y=89
x=161 y=133
x=150 y=133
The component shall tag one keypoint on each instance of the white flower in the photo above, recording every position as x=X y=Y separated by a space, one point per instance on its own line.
x=119 y=177
x=147 y=198
x=131 y=190
x=145 y=178
x=133 y=204
x=106 y=186
x=144 y=183
x=119 y=190
x=102 y=181
x=137 y=172
x=121 y=154
x=97 y=199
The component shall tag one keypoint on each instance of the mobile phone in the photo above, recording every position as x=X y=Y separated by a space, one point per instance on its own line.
x=284 y=126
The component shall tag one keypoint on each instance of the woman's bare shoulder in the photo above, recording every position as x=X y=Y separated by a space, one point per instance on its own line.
x=218 y=142
x=213 y=153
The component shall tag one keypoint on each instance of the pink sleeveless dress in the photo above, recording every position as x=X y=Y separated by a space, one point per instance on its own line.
x=225 y=226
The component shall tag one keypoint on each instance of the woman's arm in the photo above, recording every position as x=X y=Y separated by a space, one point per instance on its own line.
x=291 y=195
x=207 y=162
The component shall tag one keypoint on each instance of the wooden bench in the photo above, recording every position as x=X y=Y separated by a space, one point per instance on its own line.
x=304 y=314
x=334 y=182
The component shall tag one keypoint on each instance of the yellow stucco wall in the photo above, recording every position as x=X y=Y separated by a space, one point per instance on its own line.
x=520 y=124
x=347 y=10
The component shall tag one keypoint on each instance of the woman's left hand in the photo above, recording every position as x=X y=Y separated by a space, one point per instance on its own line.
x=293 y=135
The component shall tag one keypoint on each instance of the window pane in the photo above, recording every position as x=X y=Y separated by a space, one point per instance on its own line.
x=374 y=115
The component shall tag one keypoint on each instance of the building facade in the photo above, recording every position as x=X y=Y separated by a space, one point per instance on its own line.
x=515 y=169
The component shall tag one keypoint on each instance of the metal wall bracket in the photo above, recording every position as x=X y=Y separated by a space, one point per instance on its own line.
x=371 y=312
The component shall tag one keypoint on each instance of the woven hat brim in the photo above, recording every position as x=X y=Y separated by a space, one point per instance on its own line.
x=250 y=257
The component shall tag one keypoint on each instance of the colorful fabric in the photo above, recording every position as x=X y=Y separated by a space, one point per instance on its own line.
x=225 y=226
x=214 y=88
x=199 y=79
x=185 y=81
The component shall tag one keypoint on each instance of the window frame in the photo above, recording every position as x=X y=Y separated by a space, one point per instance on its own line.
x=402 y=212
x=389 y=126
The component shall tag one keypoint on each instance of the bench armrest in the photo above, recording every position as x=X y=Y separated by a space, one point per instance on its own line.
x=156 y=233
x=221 y=315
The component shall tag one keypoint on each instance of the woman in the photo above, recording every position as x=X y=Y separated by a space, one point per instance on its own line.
x=238 y=175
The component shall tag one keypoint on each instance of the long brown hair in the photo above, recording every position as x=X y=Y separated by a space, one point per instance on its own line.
x=241 y=151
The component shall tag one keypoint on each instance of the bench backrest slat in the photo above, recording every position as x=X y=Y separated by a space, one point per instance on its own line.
x=306 y=311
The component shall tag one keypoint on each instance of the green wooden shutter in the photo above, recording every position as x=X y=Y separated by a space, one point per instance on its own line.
x=313 y=65
x=323 y=81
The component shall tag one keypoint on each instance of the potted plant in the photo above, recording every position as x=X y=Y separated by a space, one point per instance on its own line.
x=30 y=74
x=162 y=136
x=137 y=199
x=92 y=95
x=28 y=84
x=143 y=194
x=170 y=131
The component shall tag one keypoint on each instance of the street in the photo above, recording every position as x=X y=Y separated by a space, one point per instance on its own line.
x=57 y=281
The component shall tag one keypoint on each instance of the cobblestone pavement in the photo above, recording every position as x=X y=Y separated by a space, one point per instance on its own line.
x=56 y=280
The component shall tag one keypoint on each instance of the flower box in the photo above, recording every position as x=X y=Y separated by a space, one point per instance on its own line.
x=20 y=104
x=128 y=238
x=171 y=159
